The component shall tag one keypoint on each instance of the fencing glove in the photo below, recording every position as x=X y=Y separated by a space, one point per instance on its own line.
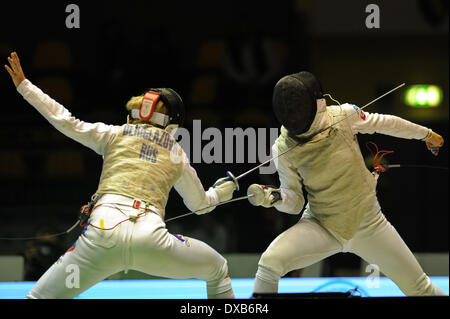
x=224 y=188
x=263 y=195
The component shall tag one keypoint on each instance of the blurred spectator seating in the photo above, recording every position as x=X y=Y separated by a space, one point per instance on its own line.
x=64 y=164
x=52 y=55
x=12 y=165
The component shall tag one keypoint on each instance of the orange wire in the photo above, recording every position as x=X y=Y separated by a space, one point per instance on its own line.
x=378 y=156
x=138 y=215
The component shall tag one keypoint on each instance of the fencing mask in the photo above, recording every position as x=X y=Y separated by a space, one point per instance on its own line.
x=171 y=100
x=177 y=110
x=295 y=101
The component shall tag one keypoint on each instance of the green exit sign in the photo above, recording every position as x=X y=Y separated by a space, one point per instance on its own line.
x=423 y=95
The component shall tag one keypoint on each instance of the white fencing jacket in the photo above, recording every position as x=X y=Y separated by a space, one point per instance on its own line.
x=136 y=163
x=331 y=169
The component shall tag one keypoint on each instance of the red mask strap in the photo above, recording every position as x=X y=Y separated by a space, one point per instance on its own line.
x=148 y=105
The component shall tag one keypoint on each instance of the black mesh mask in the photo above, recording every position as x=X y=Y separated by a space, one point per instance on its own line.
x=295 y=101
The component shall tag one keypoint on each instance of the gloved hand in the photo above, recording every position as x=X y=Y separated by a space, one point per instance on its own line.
x=224 y=188
x=434 y=141
x=263 y=195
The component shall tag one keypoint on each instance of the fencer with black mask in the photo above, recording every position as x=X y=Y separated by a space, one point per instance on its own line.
x=342 y=213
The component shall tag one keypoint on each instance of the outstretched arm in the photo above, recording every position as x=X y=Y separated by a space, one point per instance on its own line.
x=194 y=196
x=369 y=123
x=93 y=135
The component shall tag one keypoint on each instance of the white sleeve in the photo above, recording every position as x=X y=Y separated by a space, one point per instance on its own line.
x=370 y=123
x=93 y=135
x=191 y=190
x=291 y=186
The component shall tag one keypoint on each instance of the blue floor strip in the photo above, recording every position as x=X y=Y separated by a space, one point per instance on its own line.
x=243 y=287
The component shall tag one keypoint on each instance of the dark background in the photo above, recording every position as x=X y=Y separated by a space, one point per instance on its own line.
x=194 y=47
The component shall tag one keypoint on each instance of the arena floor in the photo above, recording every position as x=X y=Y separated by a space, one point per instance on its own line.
x=196 y=289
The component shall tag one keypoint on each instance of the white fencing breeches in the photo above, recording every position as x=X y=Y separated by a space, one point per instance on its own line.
x=376 y=241
x=144 y=245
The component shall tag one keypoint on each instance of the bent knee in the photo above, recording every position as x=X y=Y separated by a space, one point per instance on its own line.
x=223 y=270
x=219 y=270
x=272 y=261
x=420 y=287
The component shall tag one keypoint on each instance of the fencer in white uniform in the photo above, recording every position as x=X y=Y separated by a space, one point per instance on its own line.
x=342 y=213
x=126 y=229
